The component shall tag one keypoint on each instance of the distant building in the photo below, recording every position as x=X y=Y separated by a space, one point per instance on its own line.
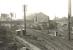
x=34 y=20
x=62 y=27
x=4 y=19
x=38 y=17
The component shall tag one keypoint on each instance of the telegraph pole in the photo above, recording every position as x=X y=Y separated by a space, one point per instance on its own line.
x=56 y=27
x=24 y=19
x=48 y=24
x=69 y=15
x=11 y=19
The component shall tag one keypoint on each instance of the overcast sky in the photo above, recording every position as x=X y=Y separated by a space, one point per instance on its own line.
x=51 y=8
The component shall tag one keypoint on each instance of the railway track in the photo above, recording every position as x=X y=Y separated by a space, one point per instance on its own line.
x=51 y=40
x=63 y=41
x=54 y=40
x=43 y=43
x=46 y=41
x=36 y=43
